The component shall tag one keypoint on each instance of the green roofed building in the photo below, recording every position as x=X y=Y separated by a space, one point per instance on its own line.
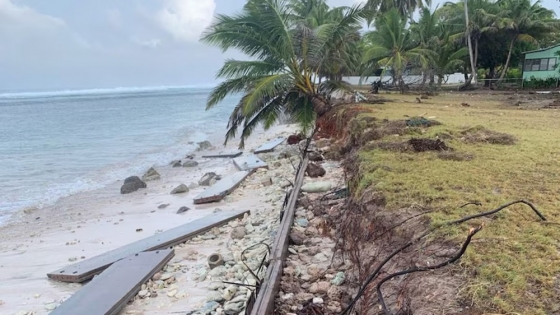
x=541 y=64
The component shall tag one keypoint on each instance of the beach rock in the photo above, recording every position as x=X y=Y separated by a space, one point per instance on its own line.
x=218 y=271
x=50 y=306
x=303 y=222
x=165 y=276
x=288 y=151
x=183 y=209
x=204 y=145
x=190 y=163
x=193 y=185
x=172 y=293
x=163 y=206
x=314 y=170
x=189 y=156
x=317 y=187
x=233 y=308
x=297 y=237
x=315 y=156
x=312 y=146
x=209 y=307
x=238 y=233
x=214 y=296
x=318 y=300
x=175 y=163
x=181 y=189
x=321 y=287
x=338 y=279
x=266 y=182
x=207 y=178
x=151 y=174
x=132 y=184
x=143 y=294
x=304 y=202
x=294 y=139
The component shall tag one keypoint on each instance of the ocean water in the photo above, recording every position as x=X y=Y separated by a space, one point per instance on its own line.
x=54 y=144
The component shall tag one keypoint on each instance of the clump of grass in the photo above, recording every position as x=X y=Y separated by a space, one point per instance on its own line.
x=513 y=266
x=482 y=134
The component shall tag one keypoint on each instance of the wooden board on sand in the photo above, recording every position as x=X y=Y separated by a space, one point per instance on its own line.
x=108 y=293
x=85 y=270
x=270 y=145
x=222 y=188
x=249 y=163
x=224 y=155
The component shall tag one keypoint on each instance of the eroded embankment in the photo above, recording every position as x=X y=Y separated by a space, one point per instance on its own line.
x=407 y=255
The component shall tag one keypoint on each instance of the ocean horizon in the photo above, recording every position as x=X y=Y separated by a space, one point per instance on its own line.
x=57 y=143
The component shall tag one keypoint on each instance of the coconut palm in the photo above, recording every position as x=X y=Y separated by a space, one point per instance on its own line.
x=405 y=7
x=392 y=46
x=286 y=57
x=524 y=21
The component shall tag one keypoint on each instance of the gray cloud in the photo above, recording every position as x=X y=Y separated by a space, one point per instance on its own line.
x=105 y=43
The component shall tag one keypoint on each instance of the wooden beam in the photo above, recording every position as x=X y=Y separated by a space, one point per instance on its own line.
x=222 y=188
x=249 y=163
x=86 y=269
x=109 y=292
x=224 y=155
x=264 y=304
x=270 y=145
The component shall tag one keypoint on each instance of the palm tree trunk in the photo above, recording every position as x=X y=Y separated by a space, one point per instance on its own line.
x=469 y=43
x=504 y=71
x=320 y=105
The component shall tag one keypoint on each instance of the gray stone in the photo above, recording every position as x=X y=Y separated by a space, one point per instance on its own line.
x=190 y=163
x=193 y=186
x=165 y=276
x=204 y=145
x=181 y=189
x=50 y=306
x=317 y=187
x=297 y=237
x=218 y=271
x=207 y=178
x=216 y=285
x=209 y=307
x=233 y=308
x=143 y=293
x=214 y=296
x=238 y=233
x=318 y=300
x=175 y=163
x=303 y=222
x=151 y=174
x=132 y=184
x=314 y=170
x=338 y=279
x=183 y=209
x=163 y=206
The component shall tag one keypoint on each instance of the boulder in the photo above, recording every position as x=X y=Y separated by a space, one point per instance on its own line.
x=297 y=237
x=176 y=163
x=294 y=139
x=207 y=178
x=317 y=187
x=288 y=151
x=204 y=145
x=132 y=184
x=190 y=163
x=181 y=189
x=314 y=170
x=151 y=174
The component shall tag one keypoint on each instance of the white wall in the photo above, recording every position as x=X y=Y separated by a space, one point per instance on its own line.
x=454 y=78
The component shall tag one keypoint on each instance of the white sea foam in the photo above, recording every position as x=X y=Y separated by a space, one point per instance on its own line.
x=118 y=90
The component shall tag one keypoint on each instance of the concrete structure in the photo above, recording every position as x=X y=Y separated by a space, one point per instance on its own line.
x=541 y=64
x=455 y=78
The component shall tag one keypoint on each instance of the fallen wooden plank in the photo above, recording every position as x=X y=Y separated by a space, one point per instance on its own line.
x=270 y=145
x=86 y=269
x=224 y=155
x=249 y=162
x=109 y=292
x=222 y=188
x=264 y=303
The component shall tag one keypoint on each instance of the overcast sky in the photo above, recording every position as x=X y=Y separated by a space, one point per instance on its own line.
x=70 y=44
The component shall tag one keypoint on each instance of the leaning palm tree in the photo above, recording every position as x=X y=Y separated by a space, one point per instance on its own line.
x=286 y=58
x=524 y=21
x=392 y=46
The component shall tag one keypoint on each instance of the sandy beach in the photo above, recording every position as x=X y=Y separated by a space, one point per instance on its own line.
x=37 y=241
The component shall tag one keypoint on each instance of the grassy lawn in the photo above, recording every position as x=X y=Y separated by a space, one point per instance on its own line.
x=513 y=267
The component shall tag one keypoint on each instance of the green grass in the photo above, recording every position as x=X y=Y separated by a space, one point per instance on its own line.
x=513 y=263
